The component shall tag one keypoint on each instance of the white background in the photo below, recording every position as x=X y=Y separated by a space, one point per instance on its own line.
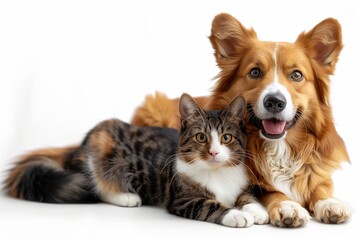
x=66 y=65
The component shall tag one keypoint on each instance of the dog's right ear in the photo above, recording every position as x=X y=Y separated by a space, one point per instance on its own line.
x=229 y=38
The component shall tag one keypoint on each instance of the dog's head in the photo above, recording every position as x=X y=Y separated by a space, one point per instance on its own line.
x=283 y=83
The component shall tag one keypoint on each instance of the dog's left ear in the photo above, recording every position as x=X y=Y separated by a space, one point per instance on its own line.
x=323 y=43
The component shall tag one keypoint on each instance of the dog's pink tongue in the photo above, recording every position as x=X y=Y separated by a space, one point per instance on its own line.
x=274 y=127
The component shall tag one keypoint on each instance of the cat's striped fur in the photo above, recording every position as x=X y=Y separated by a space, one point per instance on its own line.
x=197 y=173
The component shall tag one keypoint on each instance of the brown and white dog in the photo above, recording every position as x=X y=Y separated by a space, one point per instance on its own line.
x=293 y=145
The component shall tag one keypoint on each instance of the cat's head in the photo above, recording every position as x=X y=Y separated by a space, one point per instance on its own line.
x=212 y=138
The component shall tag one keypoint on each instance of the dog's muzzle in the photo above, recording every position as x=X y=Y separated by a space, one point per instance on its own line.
x=274 y=125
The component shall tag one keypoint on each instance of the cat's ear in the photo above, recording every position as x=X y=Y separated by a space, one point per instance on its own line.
x=188 y=107
x=235 y=109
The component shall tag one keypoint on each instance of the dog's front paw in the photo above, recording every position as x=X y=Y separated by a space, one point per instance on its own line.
x=258 y=212
x=236 y=218
x=331 y=210
x=289 y=214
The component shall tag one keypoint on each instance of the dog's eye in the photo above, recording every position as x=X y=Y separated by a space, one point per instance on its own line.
x=255 y=73
x=296 y=76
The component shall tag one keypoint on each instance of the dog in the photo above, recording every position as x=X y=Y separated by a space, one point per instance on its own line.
x=293 y=146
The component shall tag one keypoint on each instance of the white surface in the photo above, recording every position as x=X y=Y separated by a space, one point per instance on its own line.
x=66 y=65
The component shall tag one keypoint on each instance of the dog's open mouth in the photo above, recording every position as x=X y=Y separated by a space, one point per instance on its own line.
x=272 y=128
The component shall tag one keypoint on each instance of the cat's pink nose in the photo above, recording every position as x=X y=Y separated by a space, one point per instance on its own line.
x=214 y=153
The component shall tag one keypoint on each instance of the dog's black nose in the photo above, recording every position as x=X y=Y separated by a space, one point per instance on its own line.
x=274 y=103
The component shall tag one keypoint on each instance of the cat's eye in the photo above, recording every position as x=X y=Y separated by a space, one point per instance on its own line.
x=296 y=76
x=201 y=137
x=226 y=138
x=255 y=73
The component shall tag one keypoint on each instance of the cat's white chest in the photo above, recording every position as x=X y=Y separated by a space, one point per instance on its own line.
x=225 y=183
x=282 y=168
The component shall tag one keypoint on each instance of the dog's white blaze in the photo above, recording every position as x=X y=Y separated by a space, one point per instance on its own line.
x=275 y=87
x=226 y=183
x=276 y=76
x=223 y=151
x=282 y=167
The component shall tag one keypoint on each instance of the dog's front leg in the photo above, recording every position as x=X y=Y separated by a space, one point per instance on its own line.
x=284 y=212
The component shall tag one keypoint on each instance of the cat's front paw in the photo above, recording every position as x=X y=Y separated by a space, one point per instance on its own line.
x=122 y=199
x=332 y=210
x=236 y=218
x=288 y=214
x=258 y=212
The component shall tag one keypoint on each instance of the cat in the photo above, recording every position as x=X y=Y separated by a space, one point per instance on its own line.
x=197 y=173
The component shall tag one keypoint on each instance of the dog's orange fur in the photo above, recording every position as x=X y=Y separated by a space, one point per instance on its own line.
x=159 y=111
x=312 y=143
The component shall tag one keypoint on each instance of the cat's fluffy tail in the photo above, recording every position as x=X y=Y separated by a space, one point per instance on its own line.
x=50 y=175
x=160 y=111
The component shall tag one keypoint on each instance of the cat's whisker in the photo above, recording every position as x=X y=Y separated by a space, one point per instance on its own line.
x=247 y=167
x=173 y=177
x=232 y=163
x=237 y=166
x=249 y=156
x=193 y=160
x=167 y=162
x=173 y=158
x=252 y=173
x=241 y=155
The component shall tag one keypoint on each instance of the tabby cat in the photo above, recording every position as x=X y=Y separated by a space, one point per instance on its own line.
x=198 y=173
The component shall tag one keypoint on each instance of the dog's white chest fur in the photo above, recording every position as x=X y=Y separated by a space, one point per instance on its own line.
x=282 y=167
x=226 y=183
